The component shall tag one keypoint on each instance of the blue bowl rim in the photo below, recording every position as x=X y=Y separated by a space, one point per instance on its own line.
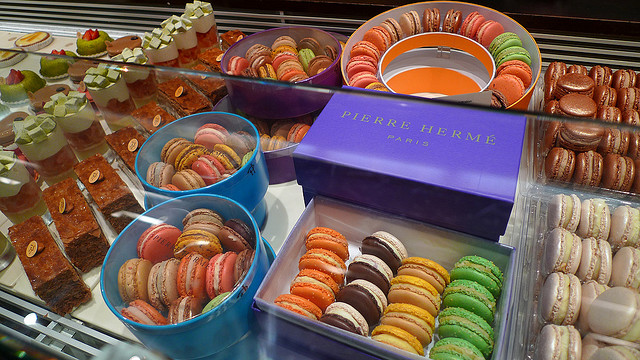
x=225 y=57
x=199 y=318
x=170 y=193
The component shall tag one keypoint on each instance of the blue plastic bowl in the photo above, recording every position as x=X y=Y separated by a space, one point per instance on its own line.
x=247 y=186
x=208 y=333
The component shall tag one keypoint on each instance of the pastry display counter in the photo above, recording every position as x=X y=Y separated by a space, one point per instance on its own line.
x=522 y=211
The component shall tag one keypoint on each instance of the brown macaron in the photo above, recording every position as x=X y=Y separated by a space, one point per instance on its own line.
x=552 y=107
x=623 y=78
x=588 y=169
x=580 y=137
x=634 y=146
x=574 y=83
x=631 y=117
x=614 y=141
x=555 y=70
x=619 y=172
x=601 y=75
x=628 y=99
x=431 y=20
x=560 y=164
x=609 y=114
x=605 y=95
x=578 y=105
x=452 y=21
x=551 y=131
x=578 y=69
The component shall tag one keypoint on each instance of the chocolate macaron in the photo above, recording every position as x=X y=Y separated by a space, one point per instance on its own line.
x=574 y=83
x=345 y=317
x=560 y=164
x=577 y=105
x=365 y=297
x=588 y=170
x=579 y=137
x=619 y=172
x=385 y=246
x=370 y=268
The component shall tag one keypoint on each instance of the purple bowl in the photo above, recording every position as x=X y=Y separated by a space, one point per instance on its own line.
x=273 y=100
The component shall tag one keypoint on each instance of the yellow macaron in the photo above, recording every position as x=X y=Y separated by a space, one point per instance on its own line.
x=414 y=290
x=427 y=270
x=197 y=241
x=415 y=320
x=398 y=338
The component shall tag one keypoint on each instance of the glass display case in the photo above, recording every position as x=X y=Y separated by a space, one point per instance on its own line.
x=545 y=191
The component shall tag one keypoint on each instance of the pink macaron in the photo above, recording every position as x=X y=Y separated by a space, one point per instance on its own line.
x=209 y=168
x=143 y=313
x=361 y=63
x=220 y=273
x=362 y=79
x=488 y=31
x=237 y=65
x=192 y=276
x=209 y=135
x=156 y=243
x=163 y=284
x=363 y=47
x=471 y=24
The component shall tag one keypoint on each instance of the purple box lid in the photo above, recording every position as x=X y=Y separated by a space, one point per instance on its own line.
x=451 y=166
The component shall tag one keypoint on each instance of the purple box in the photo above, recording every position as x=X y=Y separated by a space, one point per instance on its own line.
x=451 y=166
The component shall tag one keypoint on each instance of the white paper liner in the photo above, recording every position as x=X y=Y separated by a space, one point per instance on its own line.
x=19 y=56
x=38 y=45
x=50 y=79
x=93 y=56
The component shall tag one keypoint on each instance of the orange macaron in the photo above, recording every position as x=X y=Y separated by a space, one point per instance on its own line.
x=299 y=305
x=325 y=261
x=510 y=86
x=315 y=286
x=518 y=68
x=329 y=239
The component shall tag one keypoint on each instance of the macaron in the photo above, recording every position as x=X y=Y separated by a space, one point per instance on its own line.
x=616 y=313
x=237 y=65
x=318 y=64
x=454 y=348
x=364 y=47
x=236 y=236
x=590 y=291
x=187 y=180
x=310 y=44
x=573 y=83
x=589 y=168
x=298 y=132
x=172 y=148
x=624 y=268
x=365 y=297
x=427 y=270
x=227 y=156
x=616 y=352
x=510 y=86
x=506 y=40
x=133 y=277
x=197 y=241
x=378 y=36
x=345 y=317
x=452 y=21
x=488 y=31
x=595 y=219
x=284 y=40
x=361 y=63
x=564 y=211
x=385 y=246
x=394 y=29
x=203 y=219
x=315 y=286
x=625 y=227
x=410 y=23
x=560 y=299
x=188 y=155
x=560 y=164
x=243 y=263
x=185 y=308
x=160 y=174
x=362 y=79
x=413 y=290
x=472 y=296
x=157 y=242
x=209 y=169
x=213 y=303
x=595 y=262
x=329 y=239
x=480 y=270
x=372 y=269
x=562 y=251
x=398 y=338
x=220 y=277
x=413 y=319
x=431 y=20
x=590 y=344
x=192 y=276
x=241 y=142
x=513 y=53
x=325 y=261
x=305 y=56
x=559 y=342
x=471 y=24
x=607 y=113
x=619 y=172
x=208 y=135
x=143 y=313
x=463 y=324
x=517 y=68
x=299 y=305
x=162 y=285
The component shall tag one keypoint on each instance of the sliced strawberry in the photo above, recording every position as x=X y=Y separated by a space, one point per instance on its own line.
x=55 y=52
x=87 y=35
x=14 y=77
x=95 y=34
x=62 y=52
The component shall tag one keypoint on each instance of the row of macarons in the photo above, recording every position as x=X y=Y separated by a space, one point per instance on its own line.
x=286 y=59
x=373 y=295
x=177 y=272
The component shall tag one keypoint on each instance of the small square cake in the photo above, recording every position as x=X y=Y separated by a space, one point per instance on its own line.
x=183 y=98
x=211 y=86
x=51 y=275
x=152 y=117
x=123 y=143
x=212 y=58
x=107 y=189
x=81 y=236
x=231 y=37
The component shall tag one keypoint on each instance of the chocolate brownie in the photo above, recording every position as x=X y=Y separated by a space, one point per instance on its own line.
x=51 y=275
x=81 y=236
x=110 y=193
x=212 y=58
x=152 y=117
x=120 y=142
x=210 y=86
x=182 y=97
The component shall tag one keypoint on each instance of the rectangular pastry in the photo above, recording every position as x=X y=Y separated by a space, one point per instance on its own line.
x=152 y=117
x=51 y=275
x=182 y=97
x=211 y=86
x=79 y=231
x=109 y=192
x=123 y=144
x=212 y=58
x=231 y=37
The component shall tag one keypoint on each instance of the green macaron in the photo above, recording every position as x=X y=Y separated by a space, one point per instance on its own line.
x=503 y=41
x=463 y=324
x=455 y=349
x=513 y=53
x=215 y=301
x=480 y=270
x=472 y=296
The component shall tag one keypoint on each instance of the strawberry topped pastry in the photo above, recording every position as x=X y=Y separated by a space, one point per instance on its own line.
x=56 y=67
x=92 y=43
x=18 y=83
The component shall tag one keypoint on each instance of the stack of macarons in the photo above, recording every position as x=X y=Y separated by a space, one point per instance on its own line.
x=286 y=59
x=468 y=308
x=513 y=67
x=212 y=156
x=181 y=274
